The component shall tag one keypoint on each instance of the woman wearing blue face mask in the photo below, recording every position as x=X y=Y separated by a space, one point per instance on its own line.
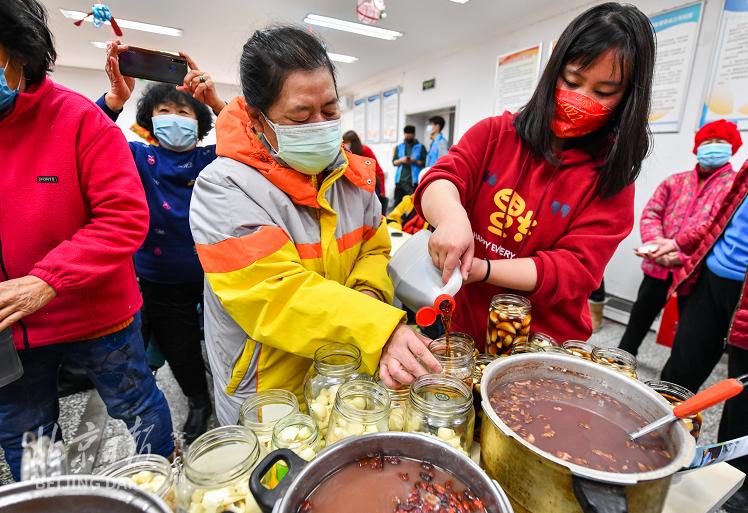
x=168 y=269
x=290 y=233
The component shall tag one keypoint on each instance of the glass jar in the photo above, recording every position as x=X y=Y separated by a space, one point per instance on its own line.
x=334 y=364
x=299 y=433
x=260 y=412
x=151 y=473
x=557 y=350
x=543 y=340
x=456 y=358
x=361 y=407
x=579 y=348
x=398 y=407
x=509 y=320
x=525 y=347
x=676 y=394
x=215 y=472
x=481 y=362
x=442 y=406
x=618 y=359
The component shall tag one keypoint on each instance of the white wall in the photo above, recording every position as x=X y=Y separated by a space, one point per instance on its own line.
x=94 y=83
x=465 y=78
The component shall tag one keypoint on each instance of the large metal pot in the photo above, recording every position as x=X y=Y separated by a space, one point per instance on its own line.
x=303 y=477
x=539 y=482
x=77 y=494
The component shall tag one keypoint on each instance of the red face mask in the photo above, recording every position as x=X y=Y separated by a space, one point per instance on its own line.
x=577 y=115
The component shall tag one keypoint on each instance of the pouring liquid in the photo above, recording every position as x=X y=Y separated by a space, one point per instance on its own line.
x=445 y=312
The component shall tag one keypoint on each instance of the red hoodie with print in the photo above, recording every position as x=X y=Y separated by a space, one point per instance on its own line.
x=555 y=217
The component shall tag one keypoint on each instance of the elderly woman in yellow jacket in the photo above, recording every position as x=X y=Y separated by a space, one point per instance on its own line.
x=290 y=234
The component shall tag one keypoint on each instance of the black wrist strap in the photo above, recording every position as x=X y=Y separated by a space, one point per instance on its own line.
x=488 y=270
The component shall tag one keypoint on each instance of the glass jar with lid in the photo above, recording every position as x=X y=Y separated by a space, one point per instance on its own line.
x=442 y=406
x=455 y=355
x=543 y=340
x=215 y=472
x=618 y=359
x=579 y=348
x=361 y=407
x=299 y=433
x=261 y=411
x=334 y=364
x=398 y=406
x=509 y=318
x=676 y=394
x=151 y=473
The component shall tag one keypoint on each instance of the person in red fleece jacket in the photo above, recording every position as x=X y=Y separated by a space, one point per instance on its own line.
x=72 y=214
x=536 y=203
x=352 y=142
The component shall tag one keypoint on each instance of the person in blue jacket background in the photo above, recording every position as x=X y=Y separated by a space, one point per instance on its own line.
x=439 y=146
x=169 y=272
x=409 y=157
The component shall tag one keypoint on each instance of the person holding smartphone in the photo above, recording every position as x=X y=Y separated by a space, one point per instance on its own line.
x=167 y=266
x=536 y=203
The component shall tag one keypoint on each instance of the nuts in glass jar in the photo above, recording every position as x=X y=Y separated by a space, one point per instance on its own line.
x=509 y=321
x=579 y=348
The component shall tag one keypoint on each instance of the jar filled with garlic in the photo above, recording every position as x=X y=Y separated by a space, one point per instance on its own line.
x=149 y=472
x=398 y=406
x=361 y=407
x=579 y=348
x=442 y=406
x=509 y=320
x=299 y=433
x=260 y=412
x=617 y=359
x=334 y=364
x=215 y=472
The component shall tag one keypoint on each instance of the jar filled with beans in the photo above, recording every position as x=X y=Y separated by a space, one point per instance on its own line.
x=618 y=359
x=509 y=319
x=579 y=348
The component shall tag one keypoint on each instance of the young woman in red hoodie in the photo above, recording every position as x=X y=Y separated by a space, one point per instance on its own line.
x=536 y=203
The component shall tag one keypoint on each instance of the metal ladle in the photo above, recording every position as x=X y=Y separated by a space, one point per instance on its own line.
x=705 y=399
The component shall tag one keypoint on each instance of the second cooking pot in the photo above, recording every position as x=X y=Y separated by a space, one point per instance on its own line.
x=539 y=482
x=302 y=478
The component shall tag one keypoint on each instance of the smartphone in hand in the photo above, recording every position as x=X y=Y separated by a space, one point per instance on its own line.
x=153 y=65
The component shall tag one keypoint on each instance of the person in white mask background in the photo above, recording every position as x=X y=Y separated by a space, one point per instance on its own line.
x=290 y=234
x=683 y=201
x=175 y=119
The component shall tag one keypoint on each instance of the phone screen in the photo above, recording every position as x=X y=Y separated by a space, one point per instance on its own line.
x=153 y=65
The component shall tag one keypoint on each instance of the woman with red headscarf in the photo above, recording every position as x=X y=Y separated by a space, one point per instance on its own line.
x=682 y=202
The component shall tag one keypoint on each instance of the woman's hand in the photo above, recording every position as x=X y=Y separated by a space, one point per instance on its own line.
x=670 y=260
x=405 y=357
x=120 y=86
x=21 y=297
x=200 y=85
x=664 y=246
x=452 y=245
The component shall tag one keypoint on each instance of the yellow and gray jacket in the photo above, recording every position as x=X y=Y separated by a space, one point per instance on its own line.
x=286 y=260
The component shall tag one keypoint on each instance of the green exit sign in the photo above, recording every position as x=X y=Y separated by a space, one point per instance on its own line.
x=429 y=84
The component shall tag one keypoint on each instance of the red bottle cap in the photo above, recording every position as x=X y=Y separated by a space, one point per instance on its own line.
x=441 y=299
x=426 y=316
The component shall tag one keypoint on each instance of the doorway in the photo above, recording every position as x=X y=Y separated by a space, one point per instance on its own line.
x=420 y=120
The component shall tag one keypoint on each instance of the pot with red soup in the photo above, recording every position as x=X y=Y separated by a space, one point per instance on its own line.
x=555 y=437
x=380 y=473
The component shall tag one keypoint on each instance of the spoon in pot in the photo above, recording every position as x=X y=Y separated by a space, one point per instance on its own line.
x=713 y=395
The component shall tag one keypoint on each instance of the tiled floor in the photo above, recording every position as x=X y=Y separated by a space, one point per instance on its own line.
x=117 y=442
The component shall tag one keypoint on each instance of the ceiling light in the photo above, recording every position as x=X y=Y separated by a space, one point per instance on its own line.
x=99 y=44
x=349 y=26
x=459 y=1
x=134 y=25
x=339 y=57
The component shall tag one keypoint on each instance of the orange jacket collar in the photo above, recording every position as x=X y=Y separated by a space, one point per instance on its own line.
x=236 y=140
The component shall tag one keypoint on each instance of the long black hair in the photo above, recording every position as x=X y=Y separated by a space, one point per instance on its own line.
x=625 y=140
x=24 y=33
x=271 y=54
x=158 y=93
x=355 y=141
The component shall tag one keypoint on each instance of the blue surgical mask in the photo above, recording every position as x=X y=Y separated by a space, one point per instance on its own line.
x=175 y=132
x=308 y=148
x=714 y=155
x=7 y=95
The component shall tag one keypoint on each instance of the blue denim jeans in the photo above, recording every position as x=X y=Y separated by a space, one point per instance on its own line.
x=118 y=367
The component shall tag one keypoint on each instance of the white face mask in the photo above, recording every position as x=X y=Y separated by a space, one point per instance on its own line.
x=308 y=148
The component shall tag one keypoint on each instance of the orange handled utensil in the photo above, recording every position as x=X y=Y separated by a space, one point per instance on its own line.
x=705 y=399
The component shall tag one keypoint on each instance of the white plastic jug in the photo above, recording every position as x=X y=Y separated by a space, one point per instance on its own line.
x=418 y=282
